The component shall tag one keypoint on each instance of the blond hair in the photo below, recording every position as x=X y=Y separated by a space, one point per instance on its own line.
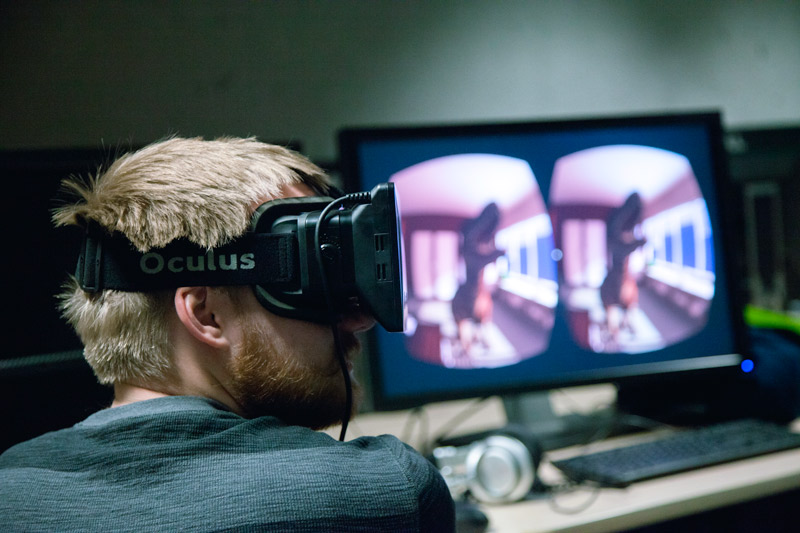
x=201 y=190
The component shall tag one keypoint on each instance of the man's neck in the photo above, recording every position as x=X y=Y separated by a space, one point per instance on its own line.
x=125 y=393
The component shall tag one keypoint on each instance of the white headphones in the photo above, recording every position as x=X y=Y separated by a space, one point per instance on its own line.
x=496 y=467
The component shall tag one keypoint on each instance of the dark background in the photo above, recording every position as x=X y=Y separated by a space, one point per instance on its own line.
x=84 y=80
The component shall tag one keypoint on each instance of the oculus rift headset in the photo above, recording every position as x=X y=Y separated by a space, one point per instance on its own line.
x=308 y=258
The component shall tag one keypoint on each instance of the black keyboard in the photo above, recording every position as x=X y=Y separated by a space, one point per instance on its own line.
x=680 y=451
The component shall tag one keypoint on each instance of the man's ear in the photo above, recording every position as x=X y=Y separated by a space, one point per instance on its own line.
x=197 y=311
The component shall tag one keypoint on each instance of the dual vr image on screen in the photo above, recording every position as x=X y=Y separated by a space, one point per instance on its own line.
x=309 y=258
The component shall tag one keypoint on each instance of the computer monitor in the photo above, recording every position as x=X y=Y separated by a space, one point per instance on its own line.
x=550 y=254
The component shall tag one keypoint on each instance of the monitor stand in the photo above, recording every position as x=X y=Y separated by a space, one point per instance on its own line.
x=535 y=412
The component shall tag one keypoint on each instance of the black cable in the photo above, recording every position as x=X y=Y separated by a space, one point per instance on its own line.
x=332 y=316
x=457 y=419
x=417 y=416
x=594 y=493
x=348 y=408
x=334 y=319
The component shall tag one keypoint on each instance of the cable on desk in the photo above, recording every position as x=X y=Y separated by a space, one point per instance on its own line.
x=417 y=416
x=458 y=419
x=604 y=431
x=616 y=419
x=594 y=494
x=575 y=407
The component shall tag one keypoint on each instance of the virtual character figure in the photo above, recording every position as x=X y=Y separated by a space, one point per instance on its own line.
x=619 y=290
x=472 y=303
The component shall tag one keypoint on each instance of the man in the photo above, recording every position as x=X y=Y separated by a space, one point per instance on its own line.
x=216 y=399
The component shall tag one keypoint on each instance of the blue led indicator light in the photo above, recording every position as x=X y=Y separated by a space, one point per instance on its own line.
x=748 y=365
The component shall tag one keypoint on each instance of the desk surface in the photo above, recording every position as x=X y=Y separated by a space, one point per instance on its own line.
x=603 y=510
x=653 y=501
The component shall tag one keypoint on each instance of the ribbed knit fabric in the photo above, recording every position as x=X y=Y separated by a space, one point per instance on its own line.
x=187 y=464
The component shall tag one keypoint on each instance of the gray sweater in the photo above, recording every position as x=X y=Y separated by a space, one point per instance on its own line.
x=187 y=464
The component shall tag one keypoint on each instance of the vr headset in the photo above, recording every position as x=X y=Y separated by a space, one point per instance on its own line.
x=309 y=258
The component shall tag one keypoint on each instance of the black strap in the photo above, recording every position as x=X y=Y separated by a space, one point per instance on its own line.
x=111 y=262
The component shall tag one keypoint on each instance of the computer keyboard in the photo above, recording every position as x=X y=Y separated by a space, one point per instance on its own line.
x=680 y=451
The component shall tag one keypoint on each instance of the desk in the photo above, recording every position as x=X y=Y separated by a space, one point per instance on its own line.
x=657 y=500
x=641 y=504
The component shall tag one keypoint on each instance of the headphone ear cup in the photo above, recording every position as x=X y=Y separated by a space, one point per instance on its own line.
x=528 y=438
x=503 y=466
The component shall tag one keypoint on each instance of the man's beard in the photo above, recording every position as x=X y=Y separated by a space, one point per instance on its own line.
x=267 y=382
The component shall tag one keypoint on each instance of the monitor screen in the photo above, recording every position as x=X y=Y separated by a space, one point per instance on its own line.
x=550 y=254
